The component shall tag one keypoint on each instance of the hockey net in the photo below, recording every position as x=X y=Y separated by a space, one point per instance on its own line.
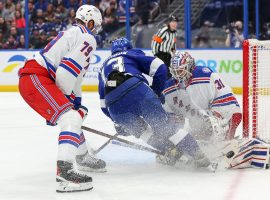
x=256 y=89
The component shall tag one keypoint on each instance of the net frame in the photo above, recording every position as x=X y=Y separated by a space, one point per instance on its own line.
x=256 y=84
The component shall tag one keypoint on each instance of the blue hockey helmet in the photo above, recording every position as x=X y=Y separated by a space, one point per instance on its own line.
x=120 y=44
x=182 y=65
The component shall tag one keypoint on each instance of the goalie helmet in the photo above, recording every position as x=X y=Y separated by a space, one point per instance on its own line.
x=121 y=44
x=85 y=13
x=182 y=65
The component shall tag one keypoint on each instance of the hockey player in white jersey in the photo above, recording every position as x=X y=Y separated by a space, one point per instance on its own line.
x=200 y=98
x=51 y=84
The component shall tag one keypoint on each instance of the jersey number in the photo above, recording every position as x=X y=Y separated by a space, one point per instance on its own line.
x=219 y=83
x=117 y=64
x=86 y=48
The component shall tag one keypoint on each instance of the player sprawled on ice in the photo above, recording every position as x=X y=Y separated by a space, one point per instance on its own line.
x=211 y=111
x=133 y=105
x=51 y=84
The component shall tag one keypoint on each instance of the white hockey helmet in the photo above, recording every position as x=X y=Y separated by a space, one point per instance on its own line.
x=182 y=65
x=86 y=13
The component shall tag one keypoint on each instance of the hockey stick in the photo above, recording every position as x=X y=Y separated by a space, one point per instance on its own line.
x=138 y=146
x=105 y=144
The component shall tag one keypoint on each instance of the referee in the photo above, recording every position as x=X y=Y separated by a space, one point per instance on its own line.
x=164 y=42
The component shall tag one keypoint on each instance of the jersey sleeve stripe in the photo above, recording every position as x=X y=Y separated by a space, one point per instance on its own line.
x=74 y=135
x=68 y=69
x=71 y=65
x=169 y=89
x=223 y=96
x=199 y=82
x=73 y=62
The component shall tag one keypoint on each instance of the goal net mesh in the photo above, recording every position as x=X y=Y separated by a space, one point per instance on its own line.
x=256 y=89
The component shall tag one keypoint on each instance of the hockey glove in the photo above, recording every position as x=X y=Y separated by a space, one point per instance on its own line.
x=49 y=123
x=83 y=111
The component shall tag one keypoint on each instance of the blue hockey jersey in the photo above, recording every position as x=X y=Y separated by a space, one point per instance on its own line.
x=135 y=63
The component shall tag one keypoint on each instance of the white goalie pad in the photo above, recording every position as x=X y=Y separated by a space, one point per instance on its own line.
x=253 y=153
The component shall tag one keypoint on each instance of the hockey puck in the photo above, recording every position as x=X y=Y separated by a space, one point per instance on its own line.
x=230 y=154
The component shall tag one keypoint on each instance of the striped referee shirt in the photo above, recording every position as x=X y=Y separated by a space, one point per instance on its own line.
x=164 y=40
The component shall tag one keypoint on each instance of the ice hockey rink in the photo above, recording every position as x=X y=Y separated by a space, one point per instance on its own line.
x=28 y=165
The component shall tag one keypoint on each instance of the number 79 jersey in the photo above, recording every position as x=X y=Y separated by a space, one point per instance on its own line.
x=67 y=57
x=205 y=91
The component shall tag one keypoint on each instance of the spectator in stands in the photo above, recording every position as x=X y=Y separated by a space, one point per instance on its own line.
x=1 y=8
x=18 y=7
x=14 y=32
x=2 y=40
x=104 y=4
x=41 y=4
x=61 y=12
x=3 y=27
x=110 y=18
x=59 y=24
x=42 y=26
x=52 y=34
x=265 y=35
x=202 y=39
x=235 y=35
x=31 y=13
x=11 y=43
x=20 y=21
x=49 y=14
x=72 y=4
x=34 y=37
x=8 y=12
x=71 y=17
x=21 y=43
x=42 y=42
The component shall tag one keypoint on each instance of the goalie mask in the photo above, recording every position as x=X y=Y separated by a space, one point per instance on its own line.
x=182 y=65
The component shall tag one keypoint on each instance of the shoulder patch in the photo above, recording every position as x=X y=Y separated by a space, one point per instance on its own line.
x=206 y=70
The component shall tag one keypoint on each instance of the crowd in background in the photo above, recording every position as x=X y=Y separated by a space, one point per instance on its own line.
x=48 y=17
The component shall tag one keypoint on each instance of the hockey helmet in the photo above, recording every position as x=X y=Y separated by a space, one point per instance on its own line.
x=120 y=44
x=182 y=65
x=86 y=13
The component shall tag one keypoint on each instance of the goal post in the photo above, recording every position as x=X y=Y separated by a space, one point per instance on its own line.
x=256 y=89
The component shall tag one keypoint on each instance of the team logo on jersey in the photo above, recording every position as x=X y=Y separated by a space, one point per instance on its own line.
x=13 y=62
x=206 y=70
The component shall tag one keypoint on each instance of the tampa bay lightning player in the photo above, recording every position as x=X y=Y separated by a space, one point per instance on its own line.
x=131 y=103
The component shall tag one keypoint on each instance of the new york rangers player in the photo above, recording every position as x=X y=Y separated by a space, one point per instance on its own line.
x=128 y=100
x=201 y=96
x=51 y=84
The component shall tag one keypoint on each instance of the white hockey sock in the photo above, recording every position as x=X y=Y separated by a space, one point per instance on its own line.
x=82 y=149
x=68 y=146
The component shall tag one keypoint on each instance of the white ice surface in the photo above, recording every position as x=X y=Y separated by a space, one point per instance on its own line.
x=28 y=164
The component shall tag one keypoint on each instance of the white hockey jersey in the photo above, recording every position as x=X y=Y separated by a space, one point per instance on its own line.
x=206 y=91
x=67 y=58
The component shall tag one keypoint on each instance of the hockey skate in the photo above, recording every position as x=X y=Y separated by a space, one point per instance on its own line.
x=90 y=163
x=68 y=180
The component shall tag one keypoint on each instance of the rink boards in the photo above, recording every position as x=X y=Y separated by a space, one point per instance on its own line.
x=228 y=63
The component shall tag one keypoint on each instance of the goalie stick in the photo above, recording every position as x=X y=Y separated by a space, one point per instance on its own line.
x=137 y=146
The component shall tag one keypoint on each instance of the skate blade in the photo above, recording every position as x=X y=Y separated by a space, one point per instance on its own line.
x=88 y=169
x=73 y=187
